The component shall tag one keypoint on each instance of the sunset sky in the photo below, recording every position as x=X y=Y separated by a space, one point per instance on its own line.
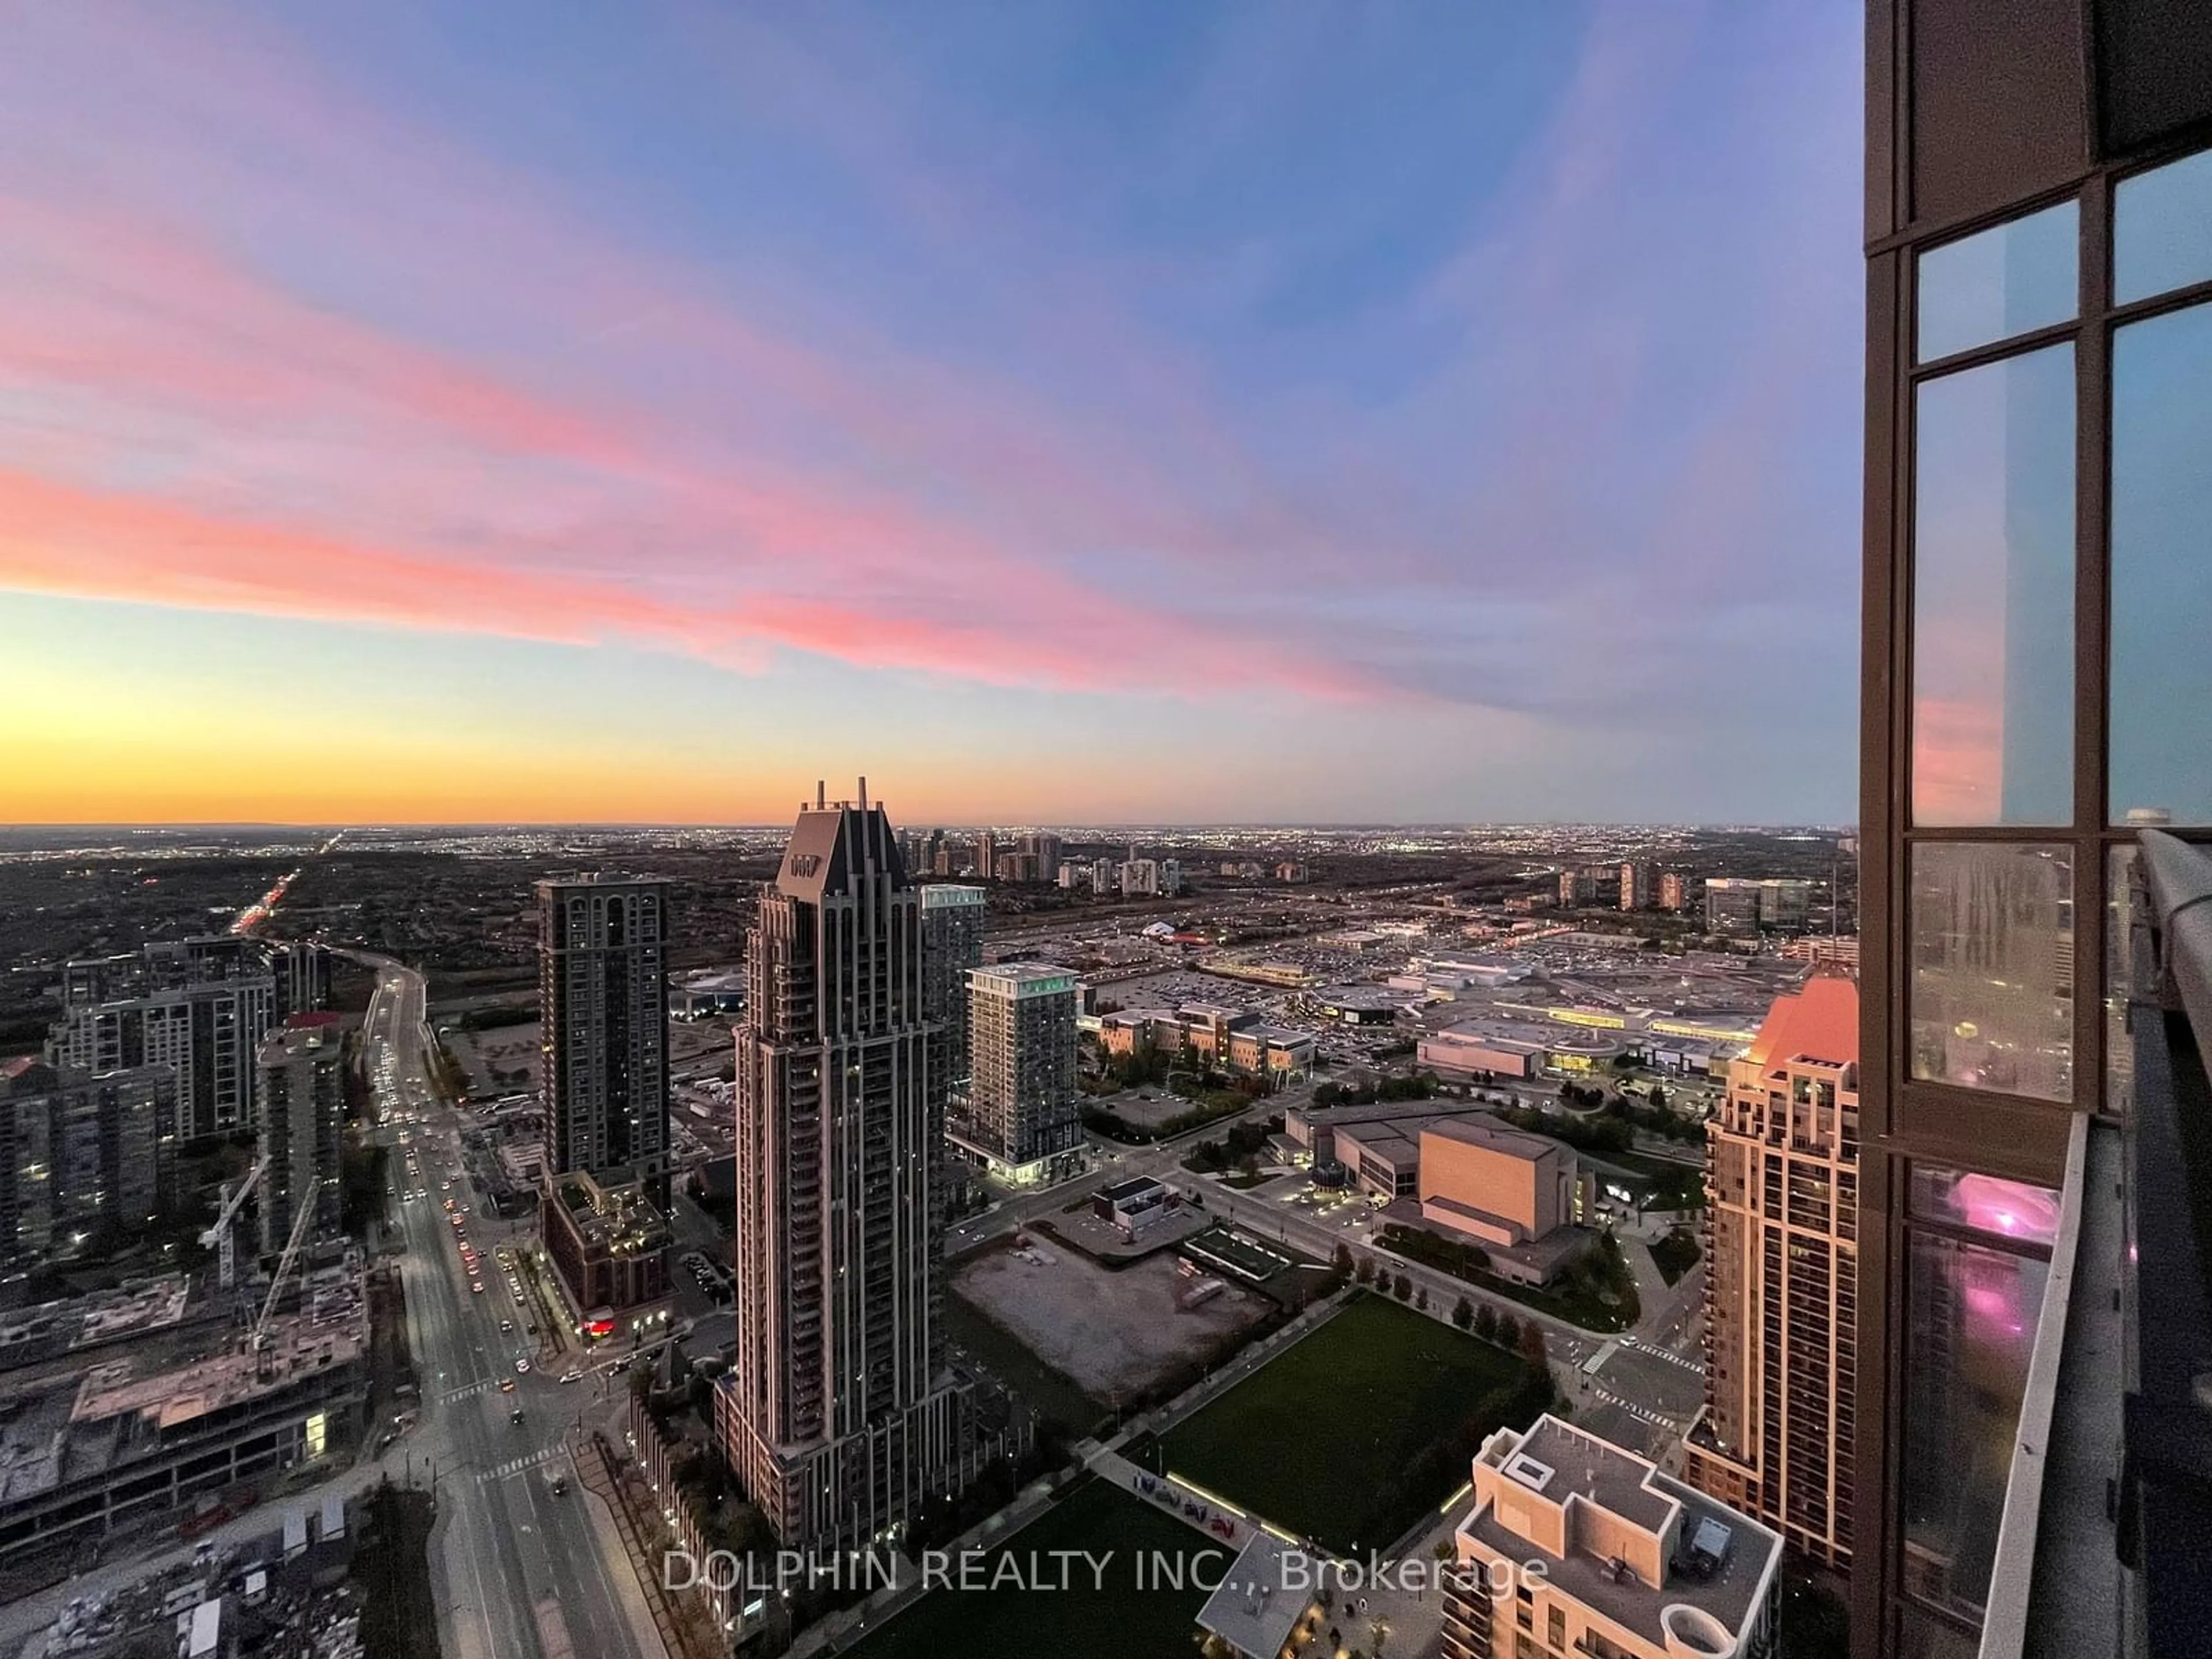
x=1058 y=413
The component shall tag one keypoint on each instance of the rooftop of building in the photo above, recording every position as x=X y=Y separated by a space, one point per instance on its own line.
x=598 y=879
x=1720 y=1562
x=946 y=895
x=300 y=1037
x=60 y=1424
x=142 y=1309
x=1031 y=977
x=1471 y=1034
x=1134 y=1186
x=1212 y=1011
x=1382 y=1140
x=1819 y=1021
x=1382 y=1111
x=618 y=1216
x=1479 y=1130
x=1252 y=1609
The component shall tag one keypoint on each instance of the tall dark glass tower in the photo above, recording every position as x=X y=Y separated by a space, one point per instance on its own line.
x=604 y=1003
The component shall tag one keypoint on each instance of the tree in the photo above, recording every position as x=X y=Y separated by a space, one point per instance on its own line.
x=1402 y=1288
x=1532 y=1345
x=1421 y=1298
x=1485 y=1322
x=1444 y=1549
x=1366 y=1274
x=1508 y=1334
x=1463 y=1313
x=1341 y=1264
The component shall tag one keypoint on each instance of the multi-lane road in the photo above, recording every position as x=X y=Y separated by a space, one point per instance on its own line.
x=525 y=1564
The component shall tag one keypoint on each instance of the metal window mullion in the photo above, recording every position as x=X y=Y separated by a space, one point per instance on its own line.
x=2092 y=607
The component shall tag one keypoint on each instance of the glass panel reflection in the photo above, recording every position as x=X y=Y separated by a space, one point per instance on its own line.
x=2018 y=1211
x=1993 y=594
x=1992 y=986
x=1971 y=1327
x=2010 y=279
x=2161 y=684
x=2162 y=229
x=2122 y=919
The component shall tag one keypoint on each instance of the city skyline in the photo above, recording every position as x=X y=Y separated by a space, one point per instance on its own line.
x=680 y=408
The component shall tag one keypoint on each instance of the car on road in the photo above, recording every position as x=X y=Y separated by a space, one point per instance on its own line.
x=515 y=1416
x=504 y=1325
x=521 y=1367
x=476 y=1285
x=573 y=1374
x=506 y=1385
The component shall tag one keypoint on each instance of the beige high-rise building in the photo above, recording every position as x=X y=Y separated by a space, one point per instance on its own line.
x=1777 y=1436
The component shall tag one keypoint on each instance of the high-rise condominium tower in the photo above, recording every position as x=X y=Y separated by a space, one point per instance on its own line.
x=1020 y=1113
x=603 y=993
x=1777 y=1436
x=302 y=1092
x=201 y=1006
x=952 y=943
x=839 y=1415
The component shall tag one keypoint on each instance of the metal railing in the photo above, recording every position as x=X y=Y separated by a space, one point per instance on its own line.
x=2178 y=877
x=2164 y=1507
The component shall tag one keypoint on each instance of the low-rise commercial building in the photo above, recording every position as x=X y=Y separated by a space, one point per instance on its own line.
x=609 y=1244
x=1471 y=1053
x=1494 y=1185
x=1380 y=1157
x=1273 y=1052
x=1360 y=1005
x=1135 y=1204
x=1231 y=1039
x=1635 y=1564
x=1826 y=951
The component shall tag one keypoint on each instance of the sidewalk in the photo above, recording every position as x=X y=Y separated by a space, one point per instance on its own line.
x=827 y=1635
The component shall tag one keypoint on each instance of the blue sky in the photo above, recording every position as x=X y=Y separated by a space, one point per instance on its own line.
x=1433 y=411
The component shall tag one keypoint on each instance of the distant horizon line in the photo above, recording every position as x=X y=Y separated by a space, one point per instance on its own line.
x=148 y=826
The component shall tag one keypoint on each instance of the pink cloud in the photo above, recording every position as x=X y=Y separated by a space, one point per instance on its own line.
x=653 y=438
x=65 y=540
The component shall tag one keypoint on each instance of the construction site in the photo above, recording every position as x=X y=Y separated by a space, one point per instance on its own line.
x=168 y=1406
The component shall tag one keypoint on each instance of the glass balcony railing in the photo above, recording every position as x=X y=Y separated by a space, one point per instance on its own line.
x=2107 y=1522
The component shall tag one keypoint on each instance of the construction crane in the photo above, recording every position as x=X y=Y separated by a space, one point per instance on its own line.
x=283 y=1271
x=218 y=1234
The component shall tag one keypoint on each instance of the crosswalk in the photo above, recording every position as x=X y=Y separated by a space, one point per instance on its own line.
x=515 y=1466
x=484 y=1385
x=1667 y=1354
x=1644 y=1413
